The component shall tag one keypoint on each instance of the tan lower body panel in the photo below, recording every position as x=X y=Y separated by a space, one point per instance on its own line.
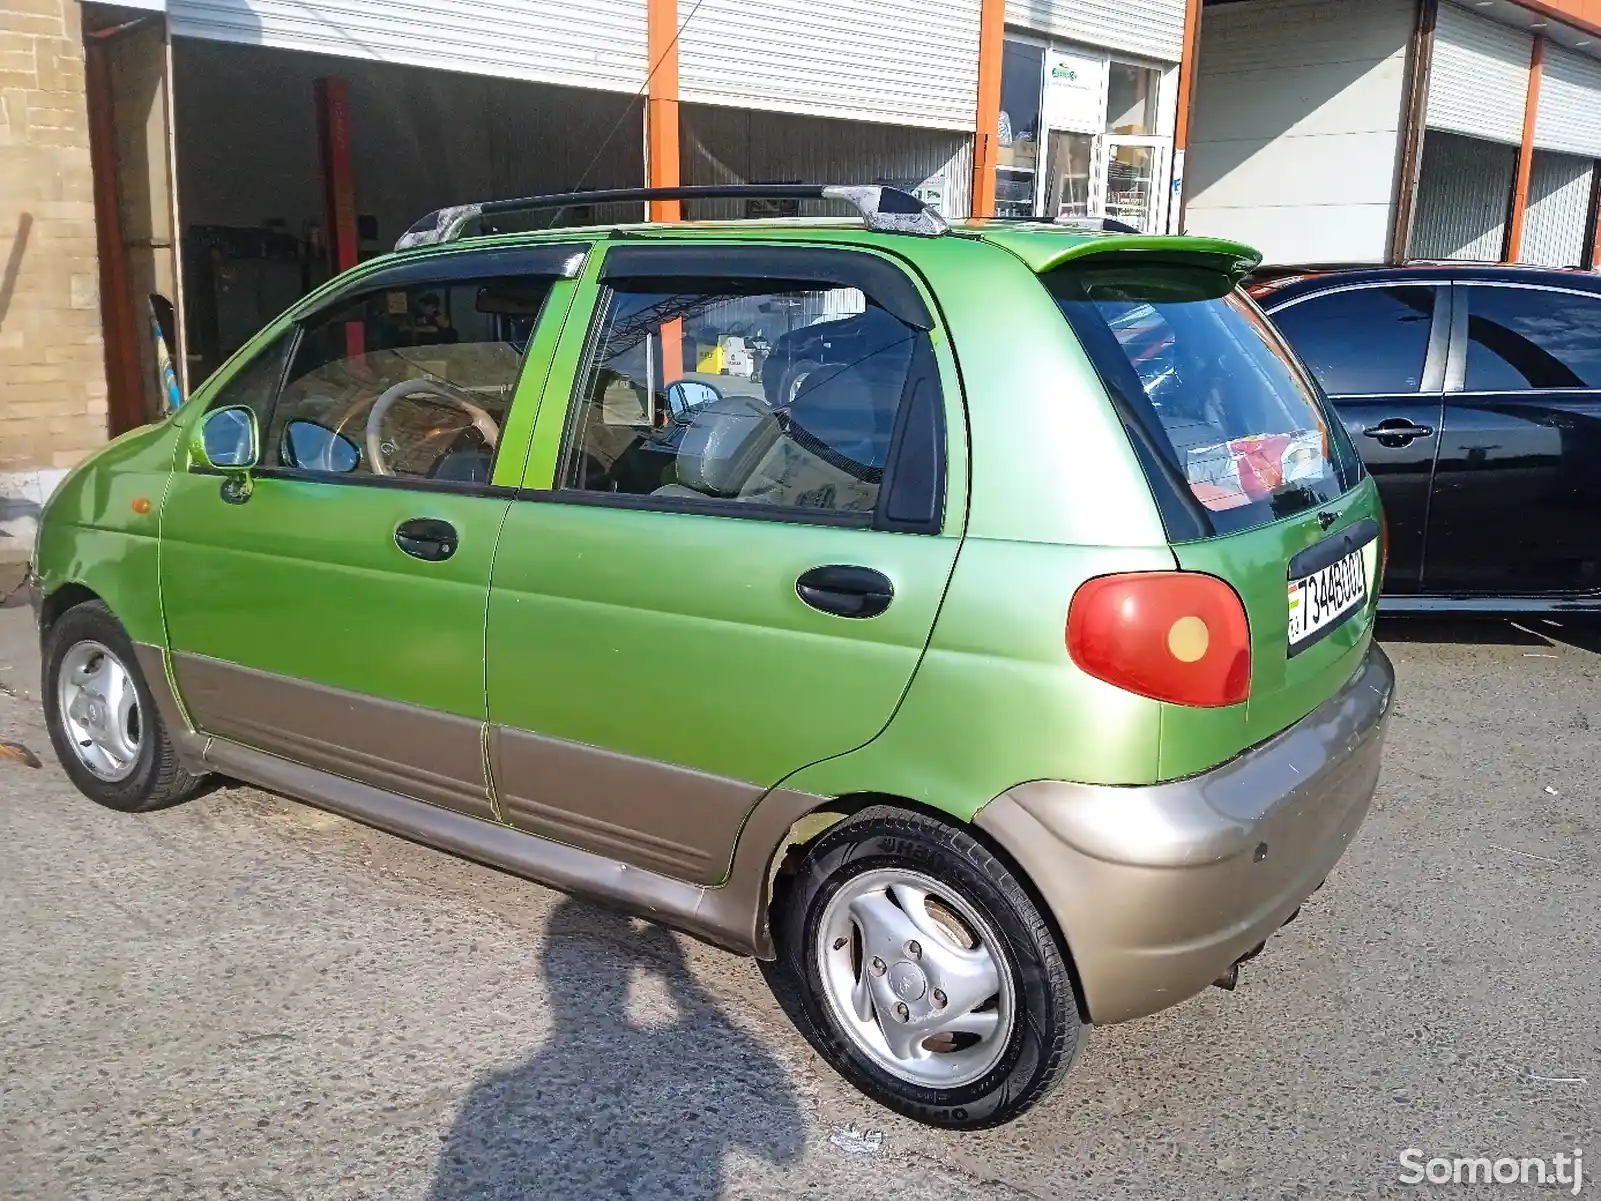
x=652 y=815
x=732 y=914
x=406 y=749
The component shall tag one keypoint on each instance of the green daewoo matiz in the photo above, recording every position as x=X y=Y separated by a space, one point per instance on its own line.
x=972 y=623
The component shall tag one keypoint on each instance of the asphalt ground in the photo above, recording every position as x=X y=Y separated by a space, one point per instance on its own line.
x=245 y=997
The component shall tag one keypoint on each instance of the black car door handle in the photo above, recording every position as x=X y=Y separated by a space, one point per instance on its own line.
x=1397 y=431
x=846 y=591
x=427 y=538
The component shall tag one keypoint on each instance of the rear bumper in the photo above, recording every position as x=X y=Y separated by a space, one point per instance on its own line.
x=1158 y=889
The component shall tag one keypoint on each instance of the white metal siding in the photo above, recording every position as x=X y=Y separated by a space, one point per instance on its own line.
x=1569 y=118
x=1149 y=28
x=580 y=43
x=1293 y=145
x=1464 y=194
x=1479 y=82
x=727 y=145
x=908 y=63
x=1555 y=225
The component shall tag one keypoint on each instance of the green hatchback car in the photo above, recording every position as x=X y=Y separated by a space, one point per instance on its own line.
x=1008 y=670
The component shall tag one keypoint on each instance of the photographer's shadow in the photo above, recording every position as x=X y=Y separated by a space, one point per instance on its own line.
x=612 y=1106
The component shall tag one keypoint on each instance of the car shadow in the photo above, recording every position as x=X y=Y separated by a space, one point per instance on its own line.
x=1579 y=633
x=624 y=1099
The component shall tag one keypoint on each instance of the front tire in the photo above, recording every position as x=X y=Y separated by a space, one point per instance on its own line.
x=918 y=966
x=102 y=717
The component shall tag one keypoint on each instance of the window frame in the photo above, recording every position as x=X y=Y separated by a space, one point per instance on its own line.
x=1457 y=363
x=789 y=265
x=554 y=261
x=1436 y=355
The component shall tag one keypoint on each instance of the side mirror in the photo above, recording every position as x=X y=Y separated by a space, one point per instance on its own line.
x=229 y=439
x=314 y=447
x=687 y=395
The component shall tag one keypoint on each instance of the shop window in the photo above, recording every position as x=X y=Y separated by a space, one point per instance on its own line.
x=1017 y=158
x=1131 y=99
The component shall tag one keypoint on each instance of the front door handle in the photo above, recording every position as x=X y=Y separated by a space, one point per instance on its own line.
x=427 y=538
x=1397 y=431
x=846 y=591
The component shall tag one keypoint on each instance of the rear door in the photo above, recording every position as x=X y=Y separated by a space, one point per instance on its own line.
x=699 y=591
x=1517 y=499
x=1379 y=352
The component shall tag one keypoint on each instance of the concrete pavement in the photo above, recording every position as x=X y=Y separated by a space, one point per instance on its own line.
x=243 y=997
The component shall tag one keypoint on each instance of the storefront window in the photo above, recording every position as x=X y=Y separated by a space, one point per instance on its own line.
x=1068 y=188
x=1131 y=99
x=1017 y=161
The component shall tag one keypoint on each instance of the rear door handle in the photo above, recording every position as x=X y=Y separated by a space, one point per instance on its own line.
x=427 y=538
x=1397 y=431
x=846 y=591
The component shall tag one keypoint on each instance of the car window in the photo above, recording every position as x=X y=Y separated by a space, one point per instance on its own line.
x=757 y=392
x=255 y=385
x=413 y=382
x=1362 y=341
x=1209 y=392
x=1532 y=338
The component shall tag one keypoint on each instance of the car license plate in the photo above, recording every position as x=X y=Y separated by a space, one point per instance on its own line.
x=1326 y=598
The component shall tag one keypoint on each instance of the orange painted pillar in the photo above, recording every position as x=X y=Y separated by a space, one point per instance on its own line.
x=1186 y=103
x=1520 y=188
x=987 y=123
x=661 y=120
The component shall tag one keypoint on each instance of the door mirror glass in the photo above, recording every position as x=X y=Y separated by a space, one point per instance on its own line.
x=687 y=395
x=228 y=438
x=314 y=447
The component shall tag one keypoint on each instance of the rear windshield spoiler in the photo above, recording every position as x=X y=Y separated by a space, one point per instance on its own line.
x=1232 y=259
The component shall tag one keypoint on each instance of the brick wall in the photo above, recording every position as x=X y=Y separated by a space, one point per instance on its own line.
x=52 y=365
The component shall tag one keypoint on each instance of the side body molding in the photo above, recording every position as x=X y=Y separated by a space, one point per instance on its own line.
x=732 y=914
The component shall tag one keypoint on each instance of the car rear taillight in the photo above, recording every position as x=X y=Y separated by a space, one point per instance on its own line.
x=1176 y=636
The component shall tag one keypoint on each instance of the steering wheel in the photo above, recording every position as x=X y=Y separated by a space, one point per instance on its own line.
x=482 y=421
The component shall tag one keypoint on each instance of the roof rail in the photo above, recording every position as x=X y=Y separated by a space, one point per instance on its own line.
x=883 y=208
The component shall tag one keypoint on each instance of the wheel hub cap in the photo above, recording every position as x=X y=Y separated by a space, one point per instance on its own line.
x=908 y=981
x=916 y=977
x=100 y=710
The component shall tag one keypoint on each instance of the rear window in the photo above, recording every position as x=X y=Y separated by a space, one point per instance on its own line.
x=1231 y=431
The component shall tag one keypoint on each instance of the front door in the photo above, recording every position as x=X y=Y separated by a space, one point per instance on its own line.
x=335 y=617
x=1517 y=494
x=1379 y=353
x=712 y=581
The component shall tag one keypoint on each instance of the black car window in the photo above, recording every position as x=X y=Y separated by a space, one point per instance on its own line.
x=1362 y=341
x=413 y=381
x=1523 y=339
x=751 y=394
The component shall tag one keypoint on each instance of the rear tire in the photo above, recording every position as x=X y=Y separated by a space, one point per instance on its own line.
x=893 y=927
x=102 y=717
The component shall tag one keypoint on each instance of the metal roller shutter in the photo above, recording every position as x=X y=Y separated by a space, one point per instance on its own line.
x=1569 y=118
x=727 y=145
x=1480 y=79
x=1464 y=194
x=1555 y=225
x=579 y=43
x=909 y=63
x=1150 y=28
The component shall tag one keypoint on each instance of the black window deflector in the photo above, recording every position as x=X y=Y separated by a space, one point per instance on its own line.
x=825 y=267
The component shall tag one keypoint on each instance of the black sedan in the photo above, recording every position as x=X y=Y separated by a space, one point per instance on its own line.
x=1474 y=395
